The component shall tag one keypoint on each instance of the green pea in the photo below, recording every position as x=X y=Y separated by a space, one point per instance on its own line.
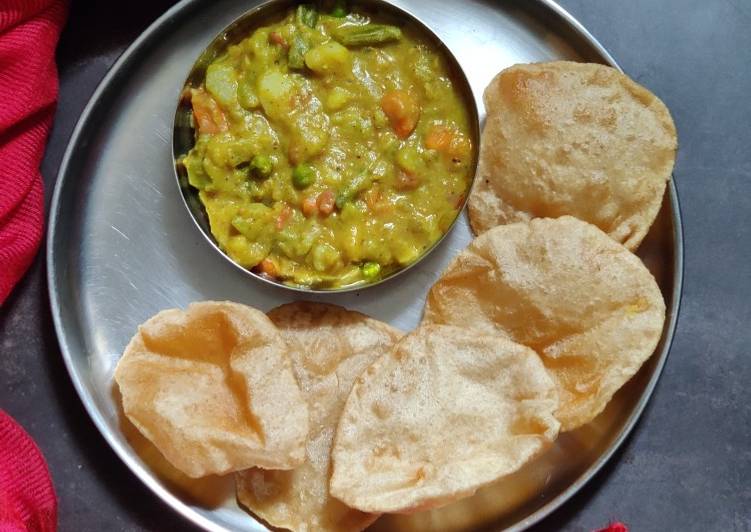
x=370 y=270
x=261 y=166
x=340 y=9
x=303 y=175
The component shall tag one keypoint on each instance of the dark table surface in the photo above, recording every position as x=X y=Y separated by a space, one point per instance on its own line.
x=687 y=464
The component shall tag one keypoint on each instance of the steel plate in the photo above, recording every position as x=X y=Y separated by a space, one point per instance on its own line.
x=121 y=246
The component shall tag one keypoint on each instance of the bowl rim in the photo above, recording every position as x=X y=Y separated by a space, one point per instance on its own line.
x=268 y=9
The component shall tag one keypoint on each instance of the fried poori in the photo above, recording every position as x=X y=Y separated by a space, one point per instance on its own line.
x=582 y=301
x=212 y=388
x=330 y=348
x=447 y=411
x=580 y=139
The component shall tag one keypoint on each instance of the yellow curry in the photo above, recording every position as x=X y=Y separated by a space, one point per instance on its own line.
x=330 y=150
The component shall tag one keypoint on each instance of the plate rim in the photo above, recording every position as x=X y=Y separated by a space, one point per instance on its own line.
x=144 y=475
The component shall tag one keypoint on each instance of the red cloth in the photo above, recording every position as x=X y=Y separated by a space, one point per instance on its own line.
x=29 y=30
x=27 y=498
x=614 y=527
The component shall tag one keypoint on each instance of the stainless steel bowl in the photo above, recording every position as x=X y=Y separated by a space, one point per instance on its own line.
x=183 y=135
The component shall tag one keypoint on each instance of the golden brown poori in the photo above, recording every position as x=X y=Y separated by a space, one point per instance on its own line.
x=212 y=388
x=580 y=139
x=330 y=346
x=582 y=301
x=446 y=412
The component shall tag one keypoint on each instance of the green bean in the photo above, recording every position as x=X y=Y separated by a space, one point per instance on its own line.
x=303 y=176
x=307 y=15
x=297 y=51
x=352 y=189
x=367 y=34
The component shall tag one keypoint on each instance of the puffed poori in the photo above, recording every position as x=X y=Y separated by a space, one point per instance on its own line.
x=330 y=347
x=582 y=301
x=446 y=412
x=578 y=139
x=212 y=388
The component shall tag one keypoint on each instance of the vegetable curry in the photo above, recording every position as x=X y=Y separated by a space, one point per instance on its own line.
x=330 y=150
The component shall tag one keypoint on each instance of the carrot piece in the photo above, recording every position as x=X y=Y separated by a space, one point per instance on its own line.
x=377 y=203
x=276 y=38
x=326 y=202
x=309 y=206
x=406 y=181
x=281 y=220
x=439 y=138
x=373 y=197
x=267 y=267
x=459 y=147
x=402 y=110
x=207 y=113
